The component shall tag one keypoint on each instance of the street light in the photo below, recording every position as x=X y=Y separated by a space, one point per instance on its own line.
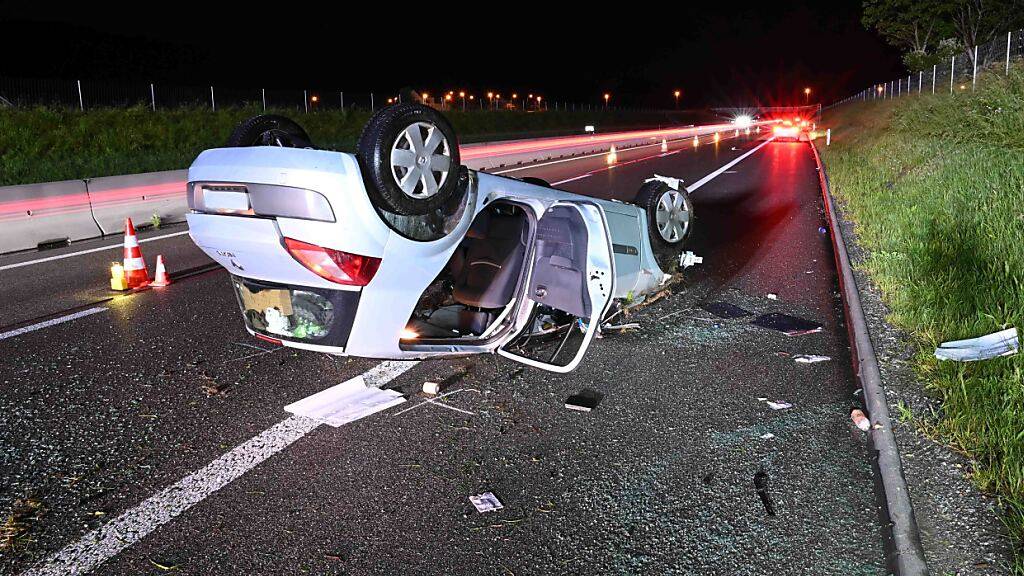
x=462 y=94
x=676 y=94
x=807 y=95
x=606 y=97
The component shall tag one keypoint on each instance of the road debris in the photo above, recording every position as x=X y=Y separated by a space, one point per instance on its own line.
x=346 y=402
x=584 y=401
x=726 y=310
x=689 y=259
x=486 y=502
x=779 y=405
x=788 y=325
x=810 y=358
x=860 y=420
x=761 y=485
x=1002 y=343
x=431 y=388
x=773 y=296
x=620 y=327
x=767 y=436
x=15 y=529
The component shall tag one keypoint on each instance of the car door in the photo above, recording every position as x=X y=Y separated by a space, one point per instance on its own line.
x=570 y=285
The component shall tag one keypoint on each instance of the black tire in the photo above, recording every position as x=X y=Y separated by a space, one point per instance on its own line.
x=536 y=181
x=269 y=130
x=666 y=251
x=387 y=132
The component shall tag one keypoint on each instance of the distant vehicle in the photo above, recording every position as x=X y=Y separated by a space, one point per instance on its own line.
x=788 y=131
x=399 y=252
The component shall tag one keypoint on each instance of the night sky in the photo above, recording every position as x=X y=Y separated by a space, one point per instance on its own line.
x=718 y=54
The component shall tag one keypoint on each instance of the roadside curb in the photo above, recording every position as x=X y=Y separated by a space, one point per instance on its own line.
x=907 y=557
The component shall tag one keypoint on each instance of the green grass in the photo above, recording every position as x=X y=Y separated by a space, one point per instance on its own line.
x=45 y=144
x=935 y=185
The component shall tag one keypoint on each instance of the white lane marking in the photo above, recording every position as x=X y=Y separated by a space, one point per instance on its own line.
x=50 y=322
x=102 y=544
x=89 y=251
x=728 y=165
x=587 y=175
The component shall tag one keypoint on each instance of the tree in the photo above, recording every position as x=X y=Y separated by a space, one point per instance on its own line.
x=912 y=25
x=976 y=22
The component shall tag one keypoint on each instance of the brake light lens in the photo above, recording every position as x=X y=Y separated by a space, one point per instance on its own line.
x=334 y=265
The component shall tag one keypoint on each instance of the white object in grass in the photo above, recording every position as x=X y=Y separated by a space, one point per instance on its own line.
x=1002 y=343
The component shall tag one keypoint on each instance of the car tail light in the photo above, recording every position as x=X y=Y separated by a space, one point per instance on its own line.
x=334 y=265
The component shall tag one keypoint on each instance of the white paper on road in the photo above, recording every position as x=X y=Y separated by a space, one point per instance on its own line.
x=810 y=358
x=1002 y=343
x=346 y=402
x=486 y=502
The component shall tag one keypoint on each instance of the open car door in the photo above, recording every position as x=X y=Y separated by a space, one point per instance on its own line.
x=570 y=284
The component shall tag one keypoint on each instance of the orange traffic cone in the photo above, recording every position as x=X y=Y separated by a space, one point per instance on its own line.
x=134 y=266
x=161 y=279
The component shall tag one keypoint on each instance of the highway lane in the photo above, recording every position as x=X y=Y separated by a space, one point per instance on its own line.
x=108 y=409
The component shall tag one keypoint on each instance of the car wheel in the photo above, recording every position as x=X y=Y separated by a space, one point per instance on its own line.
x=669 y=221
x=409 y=157
x=269 y=130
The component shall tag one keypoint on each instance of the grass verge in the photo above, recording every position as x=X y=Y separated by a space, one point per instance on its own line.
x=935 y=186
x=45 y=144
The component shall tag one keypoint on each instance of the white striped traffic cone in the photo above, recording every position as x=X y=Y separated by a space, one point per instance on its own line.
x=160 y=277
x=134 y=266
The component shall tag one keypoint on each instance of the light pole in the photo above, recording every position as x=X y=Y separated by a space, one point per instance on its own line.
x=490 y=99
x=606 y=97
x=538 y=103
x=529 y=98
x=676 y=94
x=462 y=94
x=807 y=96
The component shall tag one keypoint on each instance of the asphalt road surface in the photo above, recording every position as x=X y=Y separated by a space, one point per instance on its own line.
x=145 y=434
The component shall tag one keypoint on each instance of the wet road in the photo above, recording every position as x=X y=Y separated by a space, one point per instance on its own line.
x=105 y=412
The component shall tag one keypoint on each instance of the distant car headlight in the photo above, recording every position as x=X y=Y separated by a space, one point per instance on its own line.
x=743 y=121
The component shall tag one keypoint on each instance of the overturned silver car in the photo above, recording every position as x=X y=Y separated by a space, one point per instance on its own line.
x=399 y=252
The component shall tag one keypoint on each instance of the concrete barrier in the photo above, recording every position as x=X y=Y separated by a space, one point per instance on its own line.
x=138 y=196
x=35 y=213
x=82 y=209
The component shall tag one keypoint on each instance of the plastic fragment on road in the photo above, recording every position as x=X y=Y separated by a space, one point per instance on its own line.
x=346 y=402
x=673 y=183
x=860 y=420
x=584 y=401
x=726 y=310
x=431 y=387
x=621 y=327
x=486 y=502
x=767 y=436
x=779 y=405
x=1002 y=343
x=772 y=296
x=761 y=485
x=688 y=259
x=788 y=325
x=810 y=358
